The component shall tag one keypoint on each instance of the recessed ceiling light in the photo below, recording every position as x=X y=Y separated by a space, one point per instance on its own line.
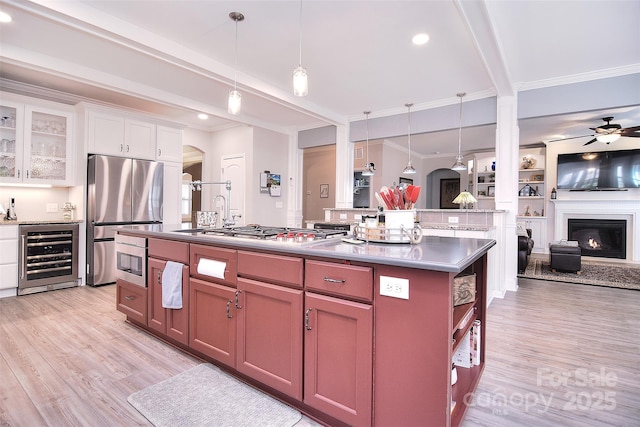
x=203 y=116
x=420 y=39
x=5 y=17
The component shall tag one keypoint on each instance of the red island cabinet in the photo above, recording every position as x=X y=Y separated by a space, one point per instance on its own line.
x=415 y=340
x=212 y=319
x=174 y=323
x=269 y=345
x=338 y=342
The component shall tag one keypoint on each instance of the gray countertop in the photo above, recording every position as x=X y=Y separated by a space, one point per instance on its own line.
x=44 y=221
x=449 y=254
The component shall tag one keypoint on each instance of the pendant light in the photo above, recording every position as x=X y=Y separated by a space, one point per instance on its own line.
x=409 y=168
x=459 y=165
x=368 y=169
x=300 y=82
x=235 y=97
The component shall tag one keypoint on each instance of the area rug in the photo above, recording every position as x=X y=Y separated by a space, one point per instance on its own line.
x=613 y=276
x=206 y=396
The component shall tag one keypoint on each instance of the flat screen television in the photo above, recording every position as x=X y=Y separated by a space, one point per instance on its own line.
x=603 y=170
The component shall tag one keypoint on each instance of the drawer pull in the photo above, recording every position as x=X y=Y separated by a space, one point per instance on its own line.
x=330 y=280
x=129 y=297
x=229 y=316
x=306 y=319
x=237 y=302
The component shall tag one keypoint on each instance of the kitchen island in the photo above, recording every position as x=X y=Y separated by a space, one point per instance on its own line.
x=351 y=334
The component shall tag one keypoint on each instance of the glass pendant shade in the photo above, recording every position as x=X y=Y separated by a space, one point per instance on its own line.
x=607 y=139
x=409 y=169
x=368 y=171
x=459 y=165
x=235 y=101
x=300 y=81
x=368 y=168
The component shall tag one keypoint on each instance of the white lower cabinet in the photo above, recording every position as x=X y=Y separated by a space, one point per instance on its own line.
x=538 y=226
x=9 y=260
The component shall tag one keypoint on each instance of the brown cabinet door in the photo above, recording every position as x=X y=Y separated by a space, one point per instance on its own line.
x=212 y=320
x=270 y=335
x=338 y=354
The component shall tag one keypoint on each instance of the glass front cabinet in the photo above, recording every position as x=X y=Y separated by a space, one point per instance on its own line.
x=35 y=144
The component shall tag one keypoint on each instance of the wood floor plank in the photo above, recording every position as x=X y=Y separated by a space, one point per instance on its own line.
x=68 y=358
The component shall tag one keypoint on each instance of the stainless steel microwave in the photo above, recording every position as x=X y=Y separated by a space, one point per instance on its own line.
x=131 y=259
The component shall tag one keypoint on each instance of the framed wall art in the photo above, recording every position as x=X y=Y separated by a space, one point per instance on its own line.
x=449 y=190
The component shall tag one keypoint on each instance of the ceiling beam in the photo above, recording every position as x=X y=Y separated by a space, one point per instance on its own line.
x=476 y=17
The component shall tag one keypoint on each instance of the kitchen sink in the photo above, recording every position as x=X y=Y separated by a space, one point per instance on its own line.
x=188 y=230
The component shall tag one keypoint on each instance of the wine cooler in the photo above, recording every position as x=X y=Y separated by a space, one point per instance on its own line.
x=48 y=257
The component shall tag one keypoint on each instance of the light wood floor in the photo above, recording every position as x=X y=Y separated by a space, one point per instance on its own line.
x=67 y=358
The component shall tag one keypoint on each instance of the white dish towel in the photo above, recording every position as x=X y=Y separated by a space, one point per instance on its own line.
x=172 y=285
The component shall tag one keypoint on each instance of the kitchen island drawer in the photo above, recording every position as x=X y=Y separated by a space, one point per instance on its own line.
x=271 y=268
x=169 y=250
x=213 y=264
x=339 y=279
x=132 y=300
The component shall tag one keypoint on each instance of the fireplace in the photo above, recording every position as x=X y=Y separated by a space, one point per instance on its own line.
x=604 y=238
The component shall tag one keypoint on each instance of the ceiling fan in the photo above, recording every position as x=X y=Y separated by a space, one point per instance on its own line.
x=609 y=133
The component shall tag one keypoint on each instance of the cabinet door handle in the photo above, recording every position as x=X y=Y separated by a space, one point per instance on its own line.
x=229 y=316
x=122 y=148
x=18 y=173
x=160 y=277
x=24 y=256
x=237 y=302
x=127 y=148
x=129 y=297
x=306 y=319
x=27 y=172
x=159 y=151
x=330 y=280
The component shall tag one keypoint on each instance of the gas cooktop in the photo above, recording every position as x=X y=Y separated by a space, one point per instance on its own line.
x=285 y=234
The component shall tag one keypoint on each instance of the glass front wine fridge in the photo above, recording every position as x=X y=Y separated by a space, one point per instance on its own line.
x=48 y=257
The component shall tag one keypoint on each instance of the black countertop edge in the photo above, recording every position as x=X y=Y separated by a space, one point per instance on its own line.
x=447 y=254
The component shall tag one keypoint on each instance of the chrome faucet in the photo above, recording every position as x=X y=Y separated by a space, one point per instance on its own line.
x=227 y=220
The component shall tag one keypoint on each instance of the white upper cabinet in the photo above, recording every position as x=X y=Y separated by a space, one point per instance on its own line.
x=115 y=134
x=36 y=144
x=118 y=133
x=169 y=144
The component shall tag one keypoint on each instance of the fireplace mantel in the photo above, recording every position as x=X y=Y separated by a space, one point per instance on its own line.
x=591 y=208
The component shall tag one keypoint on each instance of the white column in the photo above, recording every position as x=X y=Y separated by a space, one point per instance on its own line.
x=344 y=168
x=294 y=181
x=507 y=164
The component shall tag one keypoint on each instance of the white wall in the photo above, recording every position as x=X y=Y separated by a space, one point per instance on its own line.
x=270 y=152
x=31 y=203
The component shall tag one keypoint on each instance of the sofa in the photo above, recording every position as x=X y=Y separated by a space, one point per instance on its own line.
x=525 y=246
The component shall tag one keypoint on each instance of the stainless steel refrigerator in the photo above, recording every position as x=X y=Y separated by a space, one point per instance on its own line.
x=120 y=191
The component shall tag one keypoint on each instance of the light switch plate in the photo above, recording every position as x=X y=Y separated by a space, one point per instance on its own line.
x=453 y=220
x=52 y=207
x=395 y=287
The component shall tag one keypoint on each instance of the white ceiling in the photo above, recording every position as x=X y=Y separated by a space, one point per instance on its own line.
x=176 y=58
